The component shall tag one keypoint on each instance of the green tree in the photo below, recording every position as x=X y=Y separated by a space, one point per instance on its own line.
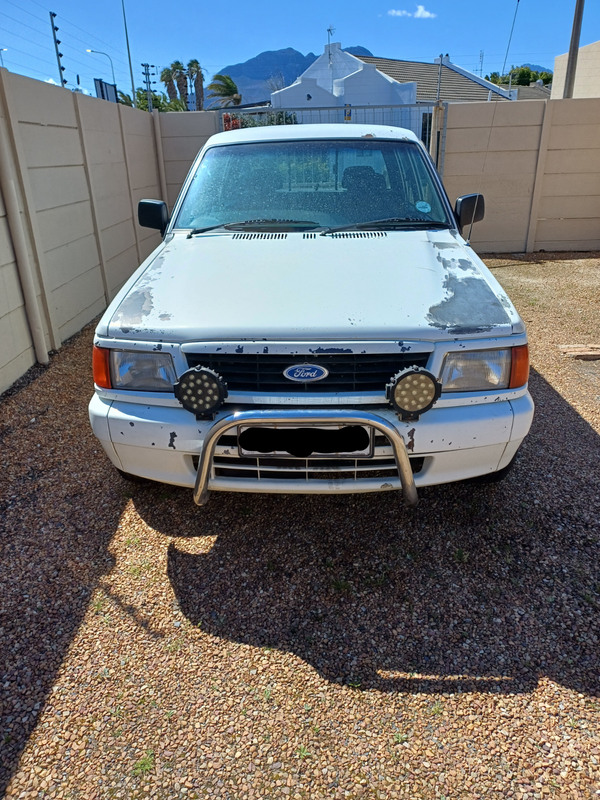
x=159 y=101
x=166 y=77
x=194 y=71
x=124 y=99
x=225 y=90
x=180 y=78
x=521 y=76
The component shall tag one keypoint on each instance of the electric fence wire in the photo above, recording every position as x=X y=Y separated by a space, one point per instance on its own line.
x=65 y=24
x=36 y=56
x=68 y=22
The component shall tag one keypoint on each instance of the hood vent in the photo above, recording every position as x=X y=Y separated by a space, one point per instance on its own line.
x=259 y=236
x=309 y=235
x=359 y=235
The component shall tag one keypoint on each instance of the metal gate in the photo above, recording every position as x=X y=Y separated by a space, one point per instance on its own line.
x=427 y=121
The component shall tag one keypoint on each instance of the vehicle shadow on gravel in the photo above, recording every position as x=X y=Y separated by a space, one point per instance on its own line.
x=482 y=588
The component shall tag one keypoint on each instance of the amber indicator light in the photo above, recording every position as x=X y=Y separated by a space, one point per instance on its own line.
x=101 y=367
x=519 y=369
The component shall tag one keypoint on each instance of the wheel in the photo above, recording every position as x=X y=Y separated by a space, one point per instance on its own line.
x=132 y=478
x=494 y=477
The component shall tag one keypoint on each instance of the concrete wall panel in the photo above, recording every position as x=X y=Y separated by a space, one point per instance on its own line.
x=567 y=162
x=16 y=340
x=46 y=146
x=109 y=178
x=577 y=112
x=469 y=140
x=11 y=296
x=79 y=299
x=41 y=103
x=565 y=137
x=112 y=210
x=482 y=115
x=105 y=147
x=195 y=123
x=118 y=238
x=180 y=148
x=71 y=260
x=569 y=230
x=558 y=185
x=120 y=268
x=577 y=207
x=7 y=254
x=65 y=224
x=58 y=186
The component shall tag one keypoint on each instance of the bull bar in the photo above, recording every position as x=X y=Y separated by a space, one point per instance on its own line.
x=304 y=418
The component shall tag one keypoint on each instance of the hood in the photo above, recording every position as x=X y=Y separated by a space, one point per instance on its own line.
x=276 y=286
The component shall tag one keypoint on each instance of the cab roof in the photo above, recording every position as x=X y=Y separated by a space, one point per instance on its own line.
x=269 y=133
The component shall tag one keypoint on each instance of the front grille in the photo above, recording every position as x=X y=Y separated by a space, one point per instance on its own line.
x=348 y=372
x=228 y=464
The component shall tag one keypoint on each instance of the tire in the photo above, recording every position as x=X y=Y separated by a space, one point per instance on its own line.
x=132 y=478
x=493 y=477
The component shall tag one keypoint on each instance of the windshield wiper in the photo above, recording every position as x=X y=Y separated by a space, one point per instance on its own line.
x=259 y=224
x=392 y=222
x=194 y=231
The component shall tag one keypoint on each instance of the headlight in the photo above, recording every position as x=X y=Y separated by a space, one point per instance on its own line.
x=201 y=391
x=412 y=392
x=478 y=370
x=147 y=372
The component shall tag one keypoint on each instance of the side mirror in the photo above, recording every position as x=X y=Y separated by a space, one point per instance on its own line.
x=469 y=208
x=153 y=214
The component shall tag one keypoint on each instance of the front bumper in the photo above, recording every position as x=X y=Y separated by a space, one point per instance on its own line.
x=169 y=445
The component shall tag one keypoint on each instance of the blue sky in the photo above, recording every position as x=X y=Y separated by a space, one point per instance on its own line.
x=229 y=33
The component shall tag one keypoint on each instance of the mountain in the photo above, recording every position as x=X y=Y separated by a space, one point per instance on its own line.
x=276 y=67
x=537 y=68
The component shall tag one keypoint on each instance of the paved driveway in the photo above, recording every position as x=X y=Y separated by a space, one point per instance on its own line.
x=332 y=647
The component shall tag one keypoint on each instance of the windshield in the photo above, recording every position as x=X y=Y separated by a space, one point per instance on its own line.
x=316 y=183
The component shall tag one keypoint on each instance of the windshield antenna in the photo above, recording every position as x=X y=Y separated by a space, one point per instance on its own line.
x=330 y=32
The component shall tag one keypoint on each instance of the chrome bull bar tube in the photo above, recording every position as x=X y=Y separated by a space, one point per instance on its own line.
x=307 y=418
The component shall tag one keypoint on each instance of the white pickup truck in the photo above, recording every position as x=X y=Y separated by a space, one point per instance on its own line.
x=312 y=322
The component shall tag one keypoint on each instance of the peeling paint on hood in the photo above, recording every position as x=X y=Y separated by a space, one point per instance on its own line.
x=408 y=285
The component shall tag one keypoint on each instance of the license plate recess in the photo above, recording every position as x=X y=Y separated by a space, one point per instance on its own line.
x=292 y=441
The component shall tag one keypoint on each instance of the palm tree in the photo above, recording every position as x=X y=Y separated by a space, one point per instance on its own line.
x=225 y=90
x=194 y=71
x=166 y=77
x=180 y=78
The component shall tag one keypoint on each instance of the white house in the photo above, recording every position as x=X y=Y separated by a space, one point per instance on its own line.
x=340 y=79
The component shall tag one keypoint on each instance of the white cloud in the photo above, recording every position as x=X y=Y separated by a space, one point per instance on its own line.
x=52 y=81
x=420 y=13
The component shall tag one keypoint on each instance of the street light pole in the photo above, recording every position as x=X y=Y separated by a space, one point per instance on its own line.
x=112 y=66
x=2 y=50
x=129 y=55
x=573 y=50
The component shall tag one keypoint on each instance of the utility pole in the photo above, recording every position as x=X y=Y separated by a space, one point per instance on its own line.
x=146 y=73
x=481 y=63
x=59 y=55
x=129 y=55
x=573 y=50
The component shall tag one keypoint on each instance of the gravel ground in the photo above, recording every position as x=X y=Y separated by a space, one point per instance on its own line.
x=307 y=647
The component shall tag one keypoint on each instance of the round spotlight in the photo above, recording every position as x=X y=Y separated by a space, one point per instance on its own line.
x=412 y=392
x=201 y=391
